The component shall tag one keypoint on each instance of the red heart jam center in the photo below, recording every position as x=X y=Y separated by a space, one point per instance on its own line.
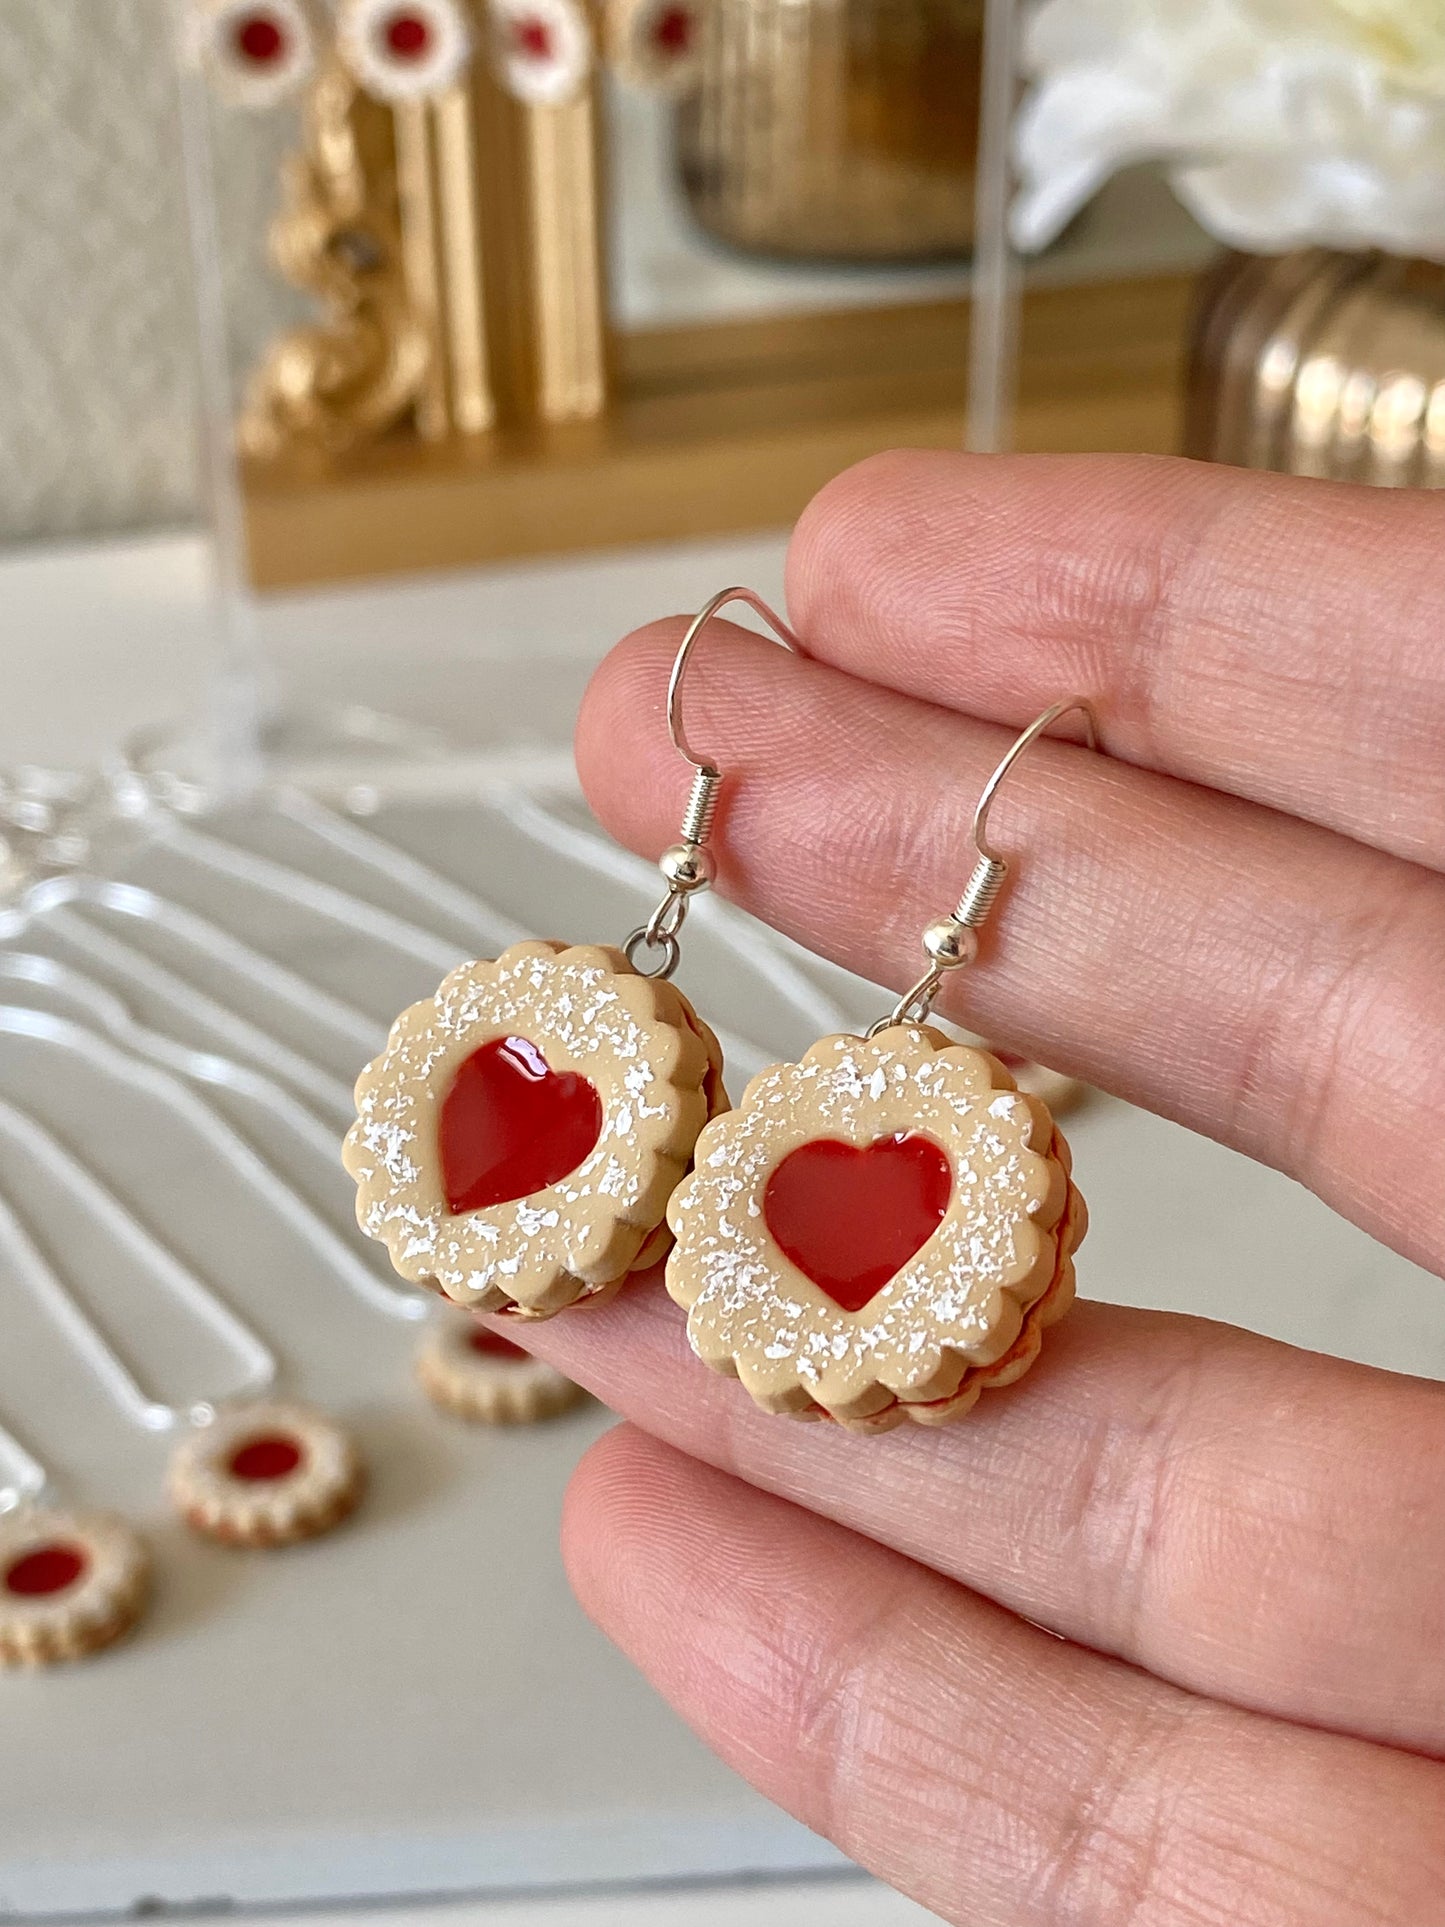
x=45 y=1570
x=260 y=1460
x=849 y=1219
x=511 y=1125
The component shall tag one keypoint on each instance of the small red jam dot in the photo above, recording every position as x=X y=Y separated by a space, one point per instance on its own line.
x=260 y=40
x=672 y=33
x=407 y=36
x=272 y=1457
x=48 y=1569
x=534 y=39
x=489 y=1344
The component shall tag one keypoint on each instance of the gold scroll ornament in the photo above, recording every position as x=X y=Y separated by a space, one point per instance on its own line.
x=355 y=371
x=453 y=243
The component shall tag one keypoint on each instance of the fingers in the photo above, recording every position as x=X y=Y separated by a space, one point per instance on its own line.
x=1277 y=638
x=1261 y=979
x=1249 y=1521
x=1003 y=1778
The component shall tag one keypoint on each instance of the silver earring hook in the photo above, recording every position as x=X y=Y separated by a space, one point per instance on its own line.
x=688 y=866
x=952 y=942
x=685 y=648
x=1026 y=741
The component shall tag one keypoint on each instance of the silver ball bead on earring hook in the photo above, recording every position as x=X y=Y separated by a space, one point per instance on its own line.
x=950 y=943
x=688 y=867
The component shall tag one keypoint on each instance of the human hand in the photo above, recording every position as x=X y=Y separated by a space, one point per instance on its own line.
x=1157 y=1637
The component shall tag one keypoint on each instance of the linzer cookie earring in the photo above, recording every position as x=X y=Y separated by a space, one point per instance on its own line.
x=476 y=1374
x=518 y=1139
x=883 y=1231
x=71 y=1583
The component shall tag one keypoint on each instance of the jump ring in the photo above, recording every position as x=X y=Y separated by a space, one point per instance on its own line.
x=667 y=919
x=667 y=943
x=913 y=1007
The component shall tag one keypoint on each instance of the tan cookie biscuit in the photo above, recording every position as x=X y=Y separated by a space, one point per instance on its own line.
x=656 y=1247
x=1015 y=1362
x=266 y=1475
x=70 y=1583
x=518 y=1138
x=869 y=1226
x=478 y=1375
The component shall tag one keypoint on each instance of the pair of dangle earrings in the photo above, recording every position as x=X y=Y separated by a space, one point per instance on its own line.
x=875 y=1234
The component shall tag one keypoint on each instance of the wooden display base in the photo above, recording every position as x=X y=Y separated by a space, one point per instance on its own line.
x=723 y=428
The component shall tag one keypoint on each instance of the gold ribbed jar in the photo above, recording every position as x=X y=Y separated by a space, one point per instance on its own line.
x=1320 y=363
x=836 y=129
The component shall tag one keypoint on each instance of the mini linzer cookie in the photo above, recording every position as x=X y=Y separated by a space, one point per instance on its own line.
x=71 y=1583
x=883 y=1231
x=480 y=1376
x=877 y=1232
x=266 y=1474
x=518 y=1139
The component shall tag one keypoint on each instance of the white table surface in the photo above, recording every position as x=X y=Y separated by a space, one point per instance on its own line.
x=97 y=641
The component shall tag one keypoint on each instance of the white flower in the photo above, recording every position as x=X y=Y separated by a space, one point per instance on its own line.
x=1283 y=122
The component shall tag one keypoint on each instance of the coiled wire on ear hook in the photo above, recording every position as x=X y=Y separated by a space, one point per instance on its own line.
x=952 y=942
x=687 y=866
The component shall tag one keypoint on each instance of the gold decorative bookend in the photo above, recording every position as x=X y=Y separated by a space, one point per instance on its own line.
x=355 y=373
x=453 y=242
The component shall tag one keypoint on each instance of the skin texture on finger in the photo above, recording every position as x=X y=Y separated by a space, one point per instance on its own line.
x=1258 y=978
x=1212 y=1506
x=1001 y=1777
x=1271 y=636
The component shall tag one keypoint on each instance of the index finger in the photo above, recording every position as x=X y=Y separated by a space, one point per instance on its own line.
x=1277 y=638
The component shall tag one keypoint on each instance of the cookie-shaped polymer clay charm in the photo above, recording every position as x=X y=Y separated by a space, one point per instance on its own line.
x=474 y=1372
x=878 y=1233
x=518 y=1139
x=266 y=1475
x=70 y=1584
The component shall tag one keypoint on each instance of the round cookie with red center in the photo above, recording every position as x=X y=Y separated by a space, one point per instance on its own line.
x=877 y=1233
x=404 y=49
x=541 y=49
x=479 y=1375
x=518 y=1139
x=656 y=45
x=70 y=1584
x=266 y=1475
x=256 y=52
